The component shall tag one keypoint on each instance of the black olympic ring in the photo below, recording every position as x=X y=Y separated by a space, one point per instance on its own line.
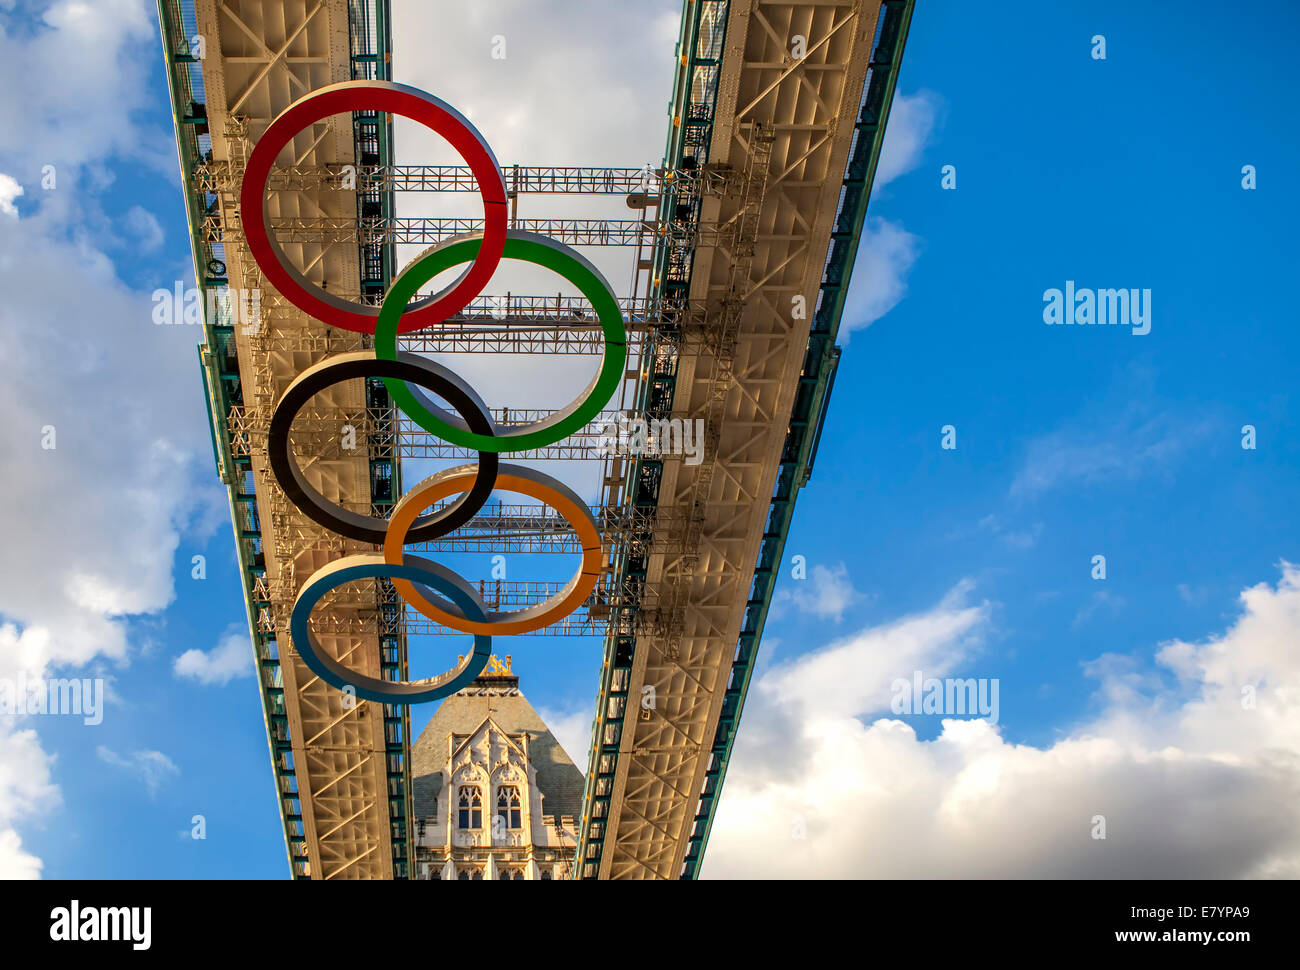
x=408 y=367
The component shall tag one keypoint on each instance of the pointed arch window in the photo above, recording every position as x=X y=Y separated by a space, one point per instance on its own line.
x=469 y=804
x=508 y=807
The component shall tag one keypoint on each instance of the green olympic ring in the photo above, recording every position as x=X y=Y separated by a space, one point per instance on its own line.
x=529 y=248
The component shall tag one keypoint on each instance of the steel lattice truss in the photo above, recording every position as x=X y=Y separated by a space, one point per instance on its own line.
x=758 y=152
x=789 y=125
x=336 y=762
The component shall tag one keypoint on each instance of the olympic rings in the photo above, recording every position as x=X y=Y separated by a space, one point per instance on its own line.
x=511 y=478
x=399 y=99
x=371 y=688
x=409 y=367
x=433 y=589
x=529 y=248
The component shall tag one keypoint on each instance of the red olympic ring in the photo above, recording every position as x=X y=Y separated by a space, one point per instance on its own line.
x=398 y=99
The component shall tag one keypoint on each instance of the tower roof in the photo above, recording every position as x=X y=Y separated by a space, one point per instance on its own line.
x=494 y=694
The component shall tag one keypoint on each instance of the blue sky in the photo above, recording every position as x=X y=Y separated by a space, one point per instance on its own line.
x=1100 y=172
x=1118 y=696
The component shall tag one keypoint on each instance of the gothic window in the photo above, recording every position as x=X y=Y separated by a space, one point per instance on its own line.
x=508 y=808
x=462 y=874
x=546 y=874
x=478 y=874
x=470 y=806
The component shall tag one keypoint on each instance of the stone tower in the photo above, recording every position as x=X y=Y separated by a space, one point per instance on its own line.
x=495 y=795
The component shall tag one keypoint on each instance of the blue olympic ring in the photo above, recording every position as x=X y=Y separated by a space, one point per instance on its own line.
x=420 y=571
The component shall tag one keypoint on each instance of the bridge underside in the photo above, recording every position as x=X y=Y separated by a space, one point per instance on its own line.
x=773 y=93
x=744 y=250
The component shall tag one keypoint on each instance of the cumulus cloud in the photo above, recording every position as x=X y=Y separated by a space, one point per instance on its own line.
x=105 y=426
x=151 y=767
x=1194 y=764
x=72 y=84
x=109 y=433
x=25 y=791
x=230 y=658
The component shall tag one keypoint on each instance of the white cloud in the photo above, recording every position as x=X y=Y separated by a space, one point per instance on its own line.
x=230 y=658
x=151 y=767
x=98 y=516
x=144 y=227
x=72 y=84
x=912 y=121
x=107 y=437
x=14 y=862
x=886 y=253
x=9 y=191
x=92 y=523
x=827 y=593
x=1135 y=442
x=535 y=109
x=573 y=730
x=1190 y=782
x=25 y=792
